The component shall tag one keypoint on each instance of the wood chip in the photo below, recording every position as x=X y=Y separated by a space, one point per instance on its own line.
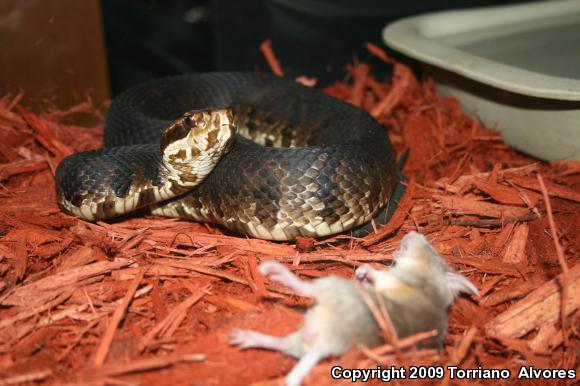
x=463 y=205
x=539 y=308
x=107 y=339
x=266 y=48
x=553 y=189
x=515 y=251
x=146 y=365
x=40 y=291
x=20 y=379
x=168 y=325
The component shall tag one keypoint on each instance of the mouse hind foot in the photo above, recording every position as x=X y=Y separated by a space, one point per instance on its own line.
x=254 y=339
x=289 y=345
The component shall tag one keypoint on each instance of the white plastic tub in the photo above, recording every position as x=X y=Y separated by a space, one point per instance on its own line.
x=516 y=67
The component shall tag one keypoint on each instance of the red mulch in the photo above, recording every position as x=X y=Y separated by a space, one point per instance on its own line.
x=152 y=300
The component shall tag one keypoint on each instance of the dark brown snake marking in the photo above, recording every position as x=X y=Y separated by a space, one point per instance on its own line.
x=314 y=166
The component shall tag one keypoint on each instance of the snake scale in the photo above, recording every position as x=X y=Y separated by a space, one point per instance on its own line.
x=289 y=160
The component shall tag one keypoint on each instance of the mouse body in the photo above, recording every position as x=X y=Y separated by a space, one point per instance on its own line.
x=416 y=293
x=417 y=265
x=339 y=319
x=418 y=289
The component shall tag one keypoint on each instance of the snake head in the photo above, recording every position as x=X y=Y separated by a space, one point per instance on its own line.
x=205 y=129
x=193 y=144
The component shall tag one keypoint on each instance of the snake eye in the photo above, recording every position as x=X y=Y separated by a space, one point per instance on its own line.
x=189 y=120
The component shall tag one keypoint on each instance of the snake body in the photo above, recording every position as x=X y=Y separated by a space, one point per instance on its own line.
x=301 y=164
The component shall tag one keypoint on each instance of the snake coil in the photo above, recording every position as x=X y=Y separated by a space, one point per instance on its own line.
x=301 y=164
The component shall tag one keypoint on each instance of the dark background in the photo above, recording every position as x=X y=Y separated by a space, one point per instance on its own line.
x=152 y=38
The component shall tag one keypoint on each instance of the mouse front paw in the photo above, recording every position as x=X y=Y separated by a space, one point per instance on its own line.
x=277 y=272
x=245 y=338
x=242 y=338
x=271 y=267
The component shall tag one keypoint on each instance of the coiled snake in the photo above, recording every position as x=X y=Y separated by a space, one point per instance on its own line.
x=301 y=164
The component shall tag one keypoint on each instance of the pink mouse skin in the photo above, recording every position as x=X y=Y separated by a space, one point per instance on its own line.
x=417 y=292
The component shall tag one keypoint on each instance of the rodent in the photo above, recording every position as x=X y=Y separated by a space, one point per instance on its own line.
x=416 y=292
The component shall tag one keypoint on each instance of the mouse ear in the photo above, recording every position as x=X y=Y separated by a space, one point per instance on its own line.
x=411 y=238
x=457 y=283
